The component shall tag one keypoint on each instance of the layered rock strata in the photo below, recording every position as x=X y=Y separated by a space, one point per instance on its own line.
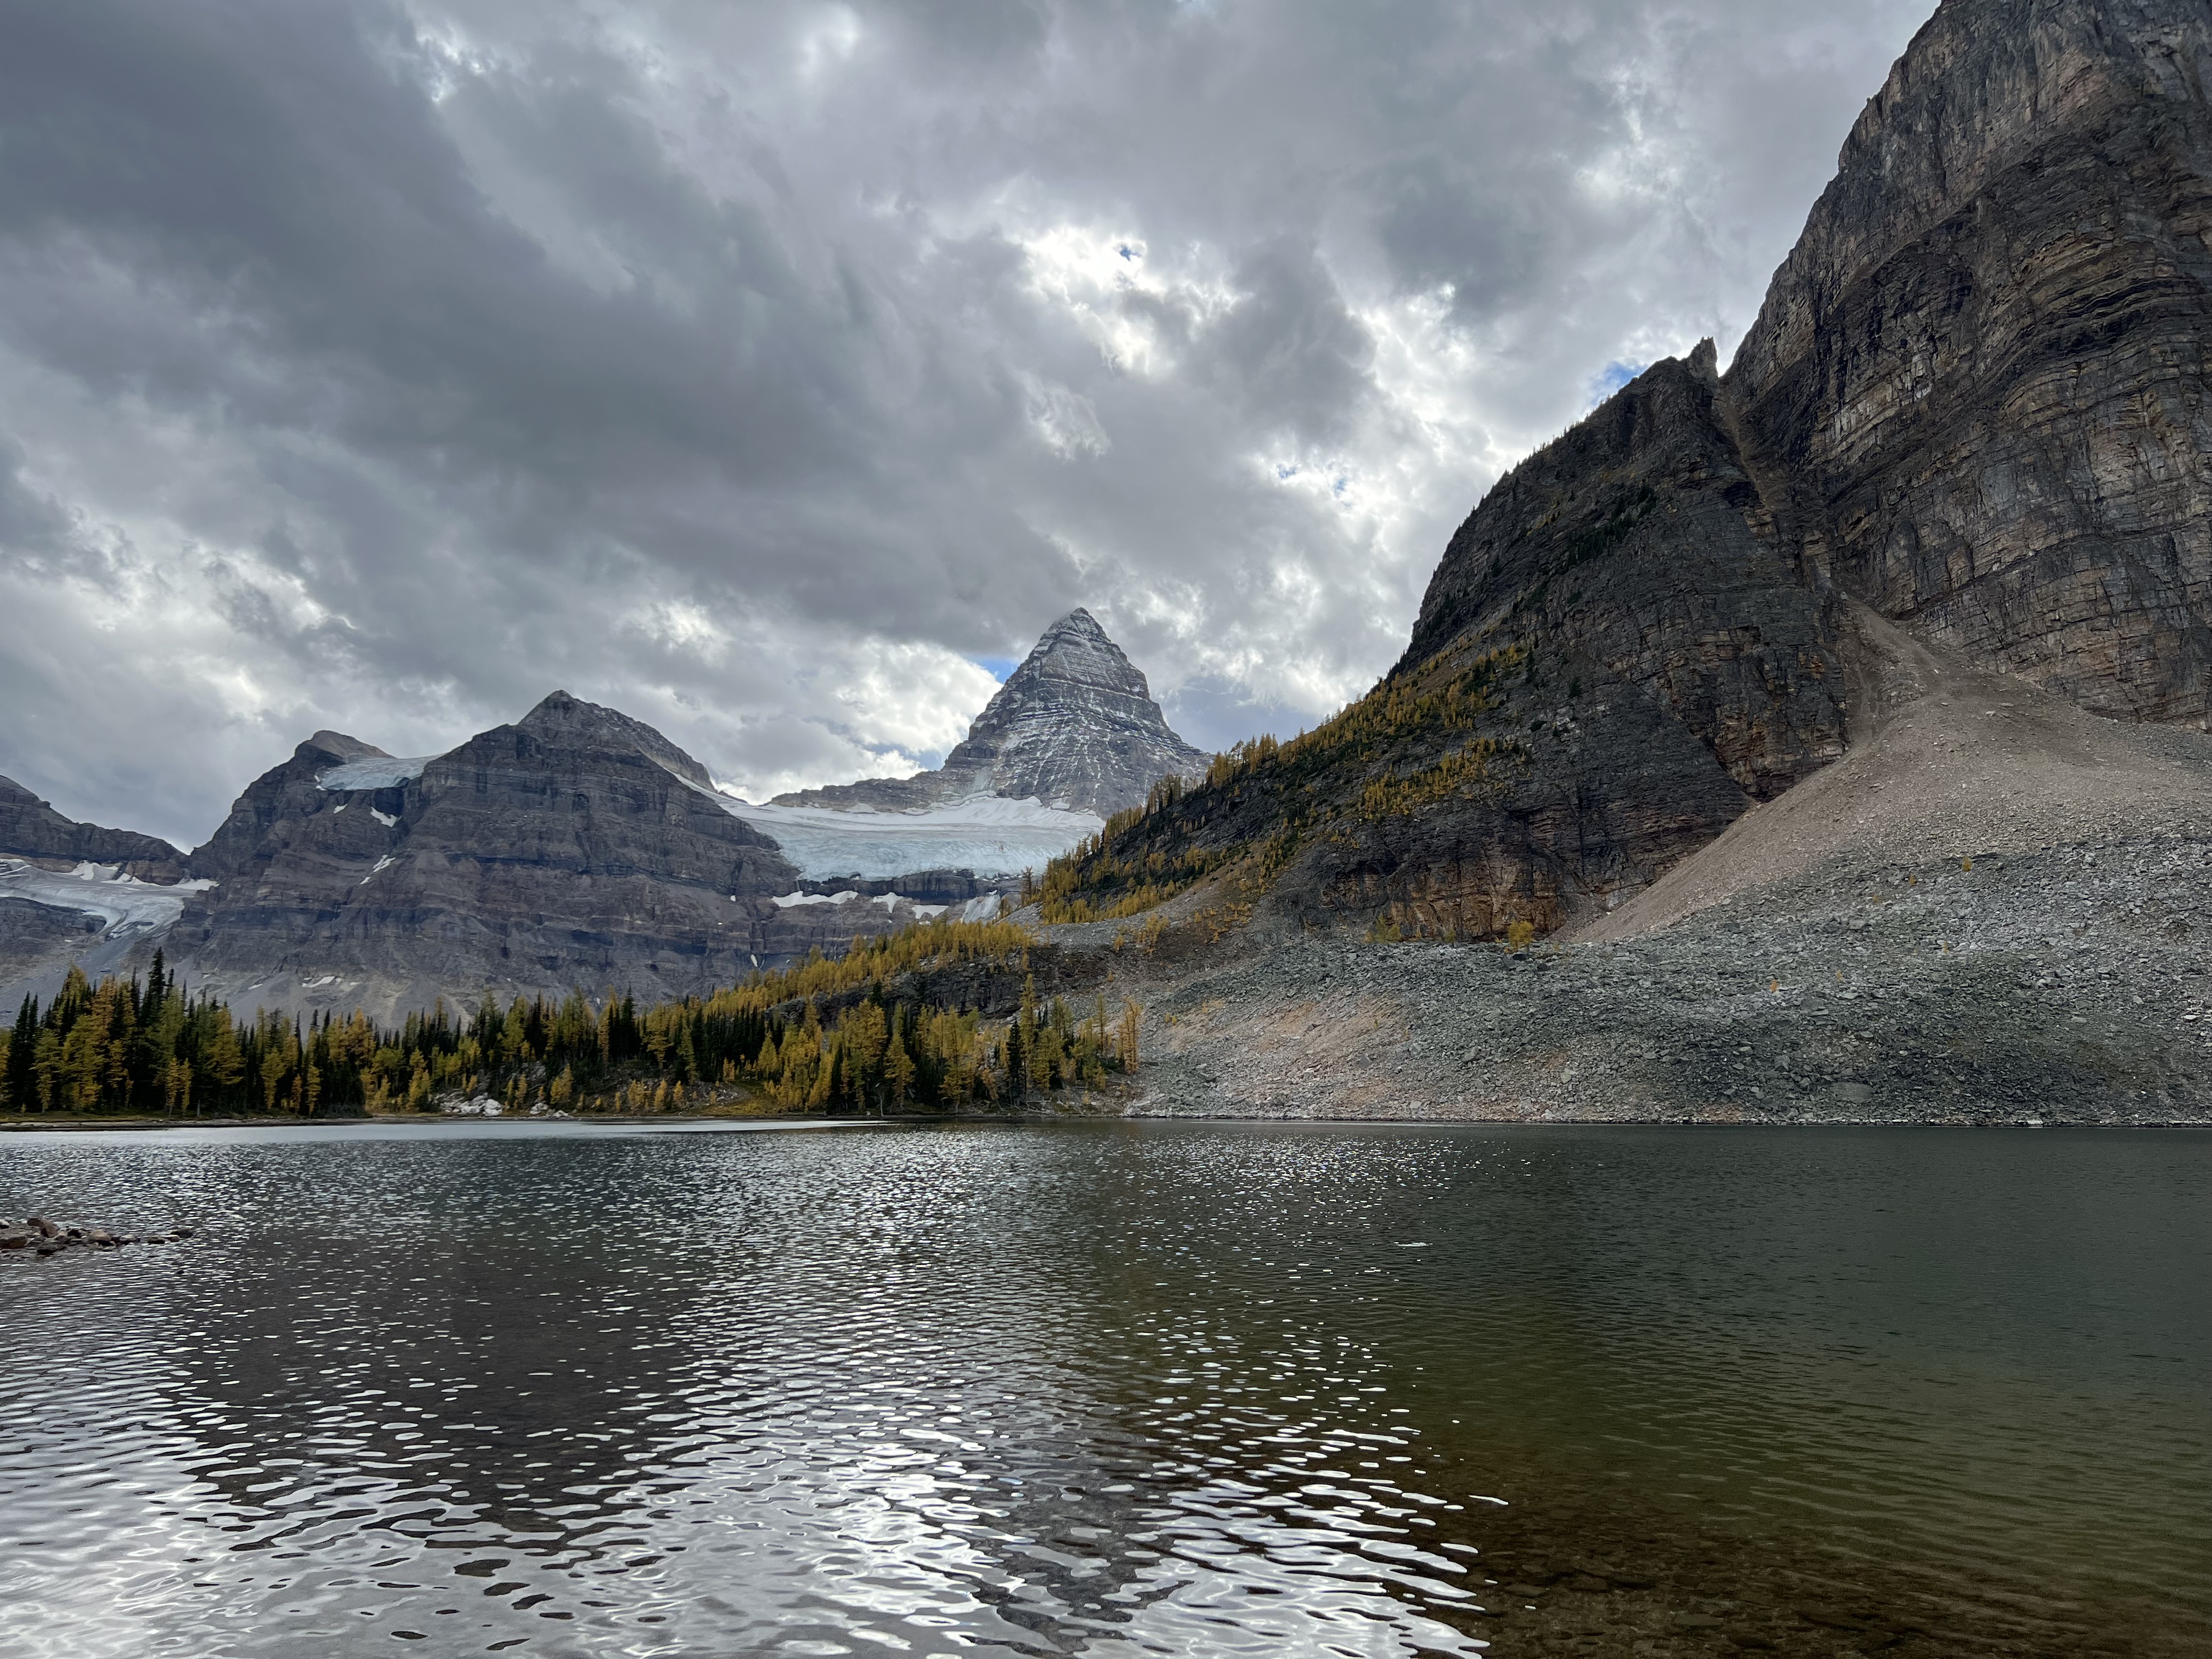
x=31 y=828
x=1977 y=393
x=1975 y=399
x=574 y=850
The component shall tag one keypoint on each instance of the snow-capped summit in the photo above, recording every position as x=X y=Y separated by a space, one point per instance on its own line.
x=1073 y=727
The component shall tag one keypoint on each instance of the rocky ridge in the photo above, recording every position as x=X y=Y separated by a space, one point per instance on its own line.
x=1974 y=402
x=574 y=850
x=1614 y=660
x=31 y=828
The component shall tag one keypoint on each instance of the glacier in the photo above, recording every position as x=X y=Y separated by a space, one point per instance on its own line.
x=996 y=837
x=382 y=772
x=123 y=903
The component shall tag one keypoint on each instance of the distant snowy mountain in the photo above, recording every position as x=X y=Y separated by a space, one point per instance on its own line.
x=1073 y=728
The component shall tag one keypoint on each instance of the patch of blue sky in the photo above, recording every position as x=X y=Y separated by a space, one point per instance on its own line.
x=1610 y=378
x=997 y=668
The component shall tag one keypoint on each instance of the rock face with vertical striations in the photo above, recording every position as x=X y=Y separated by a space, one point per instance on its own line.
x=1074 y=726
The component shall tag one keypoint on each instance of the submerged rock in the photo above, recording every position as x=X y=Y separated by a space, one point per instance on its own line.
x=45 y=1237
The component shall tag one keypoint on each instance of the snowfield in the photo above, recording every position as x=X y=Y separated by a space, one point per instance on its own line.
x=986 y=834
x=123 y=903
x=996 y=837
x=388 y=773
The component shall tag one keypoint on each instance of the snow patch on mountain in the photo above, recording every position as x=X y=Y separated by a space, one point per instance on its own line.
x=785 y=900
x=385 y=772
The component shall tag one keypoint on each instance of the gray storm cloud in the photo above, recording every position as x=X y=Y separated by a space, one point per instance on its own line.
x=762 y=368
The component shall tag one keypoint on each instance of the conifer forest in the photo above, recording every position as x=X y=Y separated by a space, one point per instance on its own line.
x=850 y=1034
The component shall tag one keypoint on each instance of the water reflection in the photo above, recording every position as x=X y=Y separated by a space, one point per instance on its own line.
x=1114 y=1389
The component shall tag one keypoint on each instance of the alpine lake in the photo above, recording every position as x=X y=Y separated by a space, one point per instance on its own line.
x=1110 y=1388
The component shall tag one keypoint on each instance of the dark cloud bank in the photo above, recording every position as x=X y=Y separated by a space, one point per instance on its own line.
x=762 y=368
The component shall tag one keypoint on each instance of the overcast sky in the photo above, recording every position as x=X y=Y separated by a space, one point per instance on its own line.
x=776 y=372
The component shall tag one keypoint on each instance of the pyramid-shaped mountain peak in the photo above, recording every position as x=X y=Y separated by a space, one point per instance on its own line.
x=562 y=719
x=1077 y=649
x=1077 y=621
x=1074 y=725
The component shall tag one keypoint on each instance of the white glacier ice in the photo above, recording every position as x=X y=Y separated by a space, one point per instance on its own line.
x=385 y=772
x=122 y=903
x=988 y=834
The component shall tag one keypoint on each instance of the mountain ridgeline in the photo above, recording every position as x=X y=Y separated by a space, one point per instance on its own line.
x=1975 y=399
x=576 y=850
x=31 y=828
x=575 y=846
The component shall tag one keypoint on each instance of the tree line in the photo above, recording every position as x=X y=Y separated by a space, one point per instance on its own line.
x=850 y=1033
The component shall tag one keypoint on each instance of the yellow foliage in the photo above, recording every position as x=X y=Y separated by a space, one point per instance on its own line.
x=1393 y=797
x=1119 y=873
x=922 y=945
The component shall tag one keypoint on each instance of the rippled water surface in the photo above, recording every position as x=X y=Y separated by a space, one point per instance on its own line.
x=1111 y=1389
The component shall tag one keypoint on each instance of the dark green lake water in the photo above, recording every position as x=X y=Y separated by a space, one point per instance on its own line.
x=1111 y=1389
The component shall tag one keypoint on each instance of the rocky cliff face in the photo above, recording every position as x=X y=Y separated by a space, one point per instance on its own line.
x=1975 y=398
x=1614 y=659
x=1977 y=394
x=574 y=849
x=1074 y=726
x=30 y=828
x=273 y=814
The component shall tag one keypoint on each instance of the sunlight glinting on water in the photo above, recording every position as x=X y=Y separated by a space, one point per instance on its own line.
x=1104 y=1389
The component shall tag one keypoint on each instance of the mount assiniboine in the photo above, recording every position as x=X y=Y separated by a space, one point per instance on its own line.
x=576 y=849
x=1074 y=726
